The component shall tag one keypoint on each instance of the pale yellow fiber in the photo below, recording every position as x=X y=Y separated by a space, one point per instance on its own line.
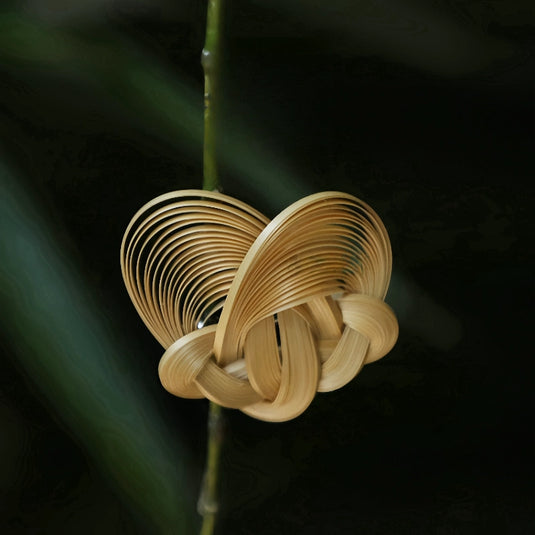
x=260 y=315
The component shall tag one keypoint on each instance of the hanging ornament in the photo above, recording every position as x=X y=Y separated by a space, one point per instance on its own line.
x=255 y=314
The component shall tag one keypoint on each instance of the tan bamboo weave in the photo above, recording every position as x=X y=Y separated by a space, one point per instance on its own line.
x=260 y=315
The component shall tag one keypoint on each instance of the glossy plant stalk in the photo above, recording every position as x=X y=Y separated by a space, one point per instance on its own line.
x=211 y=61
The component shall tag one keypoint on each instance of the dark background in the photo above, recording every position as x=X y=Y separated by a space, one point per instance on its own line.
x=425 y=110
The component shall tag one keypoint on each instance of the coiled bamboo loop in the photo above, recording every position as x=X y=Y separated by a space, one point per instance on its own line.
x=298 y=302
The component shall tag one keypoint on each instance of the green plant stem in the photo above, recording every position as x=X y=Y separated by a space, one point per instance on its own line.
x=208 y=501
x=211 y=60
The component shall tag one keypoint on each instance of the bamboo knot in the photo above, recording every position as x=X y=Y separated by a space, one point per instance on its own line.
x=207 y=60
x=260 y=315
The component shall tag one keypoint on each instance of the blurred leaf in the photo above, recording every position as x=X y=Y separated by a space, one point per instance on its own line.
x=139 y=86
x=67 y=347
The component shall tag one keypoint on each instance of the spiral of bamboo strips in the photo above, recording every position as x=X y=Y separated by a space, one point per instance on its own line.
x=260 y=315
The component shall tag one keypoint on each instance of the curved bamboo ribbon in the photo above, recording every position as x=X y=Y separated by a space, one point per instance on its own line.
x=260 y=315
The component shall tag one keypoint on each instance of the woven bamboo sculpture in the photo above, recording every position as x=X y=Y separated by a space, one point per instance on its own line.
x=260 y=315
